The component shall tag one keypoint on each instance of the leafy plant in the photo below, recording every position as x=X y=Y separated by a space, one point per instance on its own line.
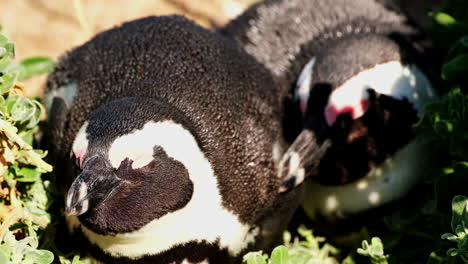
x=374 y=251
x=459 y=227
x=451 y=36
x=26 y=235
x=25 y=250
x=23 y=197
x=308 y=249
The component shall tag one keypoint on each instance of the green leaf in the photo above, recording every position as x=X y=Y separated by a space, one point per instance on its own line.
x=457 y=8
x=10 y=50
x=32 y=239
x=3 y=109
x=8 y=82
x=255 y=258
x=460 y=47
x=374 y=251
x=280 y=255
x=76 y=260
x=437 y=257
x=28 y=174
x=11 y=102
x=5 y=252
x=39 y=193
x=452 y=252
x=26 y=113
x=7 y=47
x=23 y=111
x=456 y=69
x=348 y=260
x=3 y=40
x=4 y=63
x=39 y=256
x=459 y=211
x=35 y=66
x=287 y=237
x=444 y=18
x=464 y=41
x=377 y=246
x=27 y=135
x=443 y=127
x=9 y=177
x=36 y=117
x=449 y=236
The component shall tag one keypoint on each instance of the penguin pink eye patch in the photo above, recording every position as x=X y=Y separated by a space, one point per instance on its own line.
x=79 y=157
x=347 y=100
x=332 y=111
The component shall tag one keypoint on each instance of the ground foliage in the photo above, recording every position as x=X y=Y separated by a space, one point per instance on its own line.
x=27 y=231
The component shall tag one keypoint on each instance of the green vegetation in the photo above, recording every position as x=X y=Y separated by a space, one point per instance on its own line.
x=310 y=249
x=27 y=225
x=459 y=227
x=23 y=195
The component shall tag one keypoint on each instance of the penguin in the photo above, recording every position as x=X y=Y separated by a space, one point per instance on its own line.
x=359 y=77
x=167 y=137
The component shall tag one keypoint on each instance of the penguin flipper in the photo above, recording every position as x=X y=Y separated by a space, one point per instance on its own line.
x=300 y=159
x=58 y=113
x=55 y=125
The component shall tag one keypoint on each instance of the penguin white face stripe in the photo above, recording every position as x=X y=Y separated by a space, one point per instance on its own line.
x=304 y=81
x=82 y=192
x=202 y=218
x=80 y=145
x=138 y=150
x=391 y=78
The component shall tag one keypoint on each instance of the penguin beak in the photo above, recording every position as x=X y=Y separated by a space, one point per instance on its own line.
x=97 y=183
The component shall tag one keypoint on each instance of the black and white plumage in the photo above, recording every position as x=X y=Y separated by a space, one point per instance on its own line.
x=168 y=136
x=359 y=80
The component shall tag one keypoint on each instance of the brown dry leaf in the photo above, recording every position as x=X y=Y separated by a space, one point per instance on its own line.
x=18 y=89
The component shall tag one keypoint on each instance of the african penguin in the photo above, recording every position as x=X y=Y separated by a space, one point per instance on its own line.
x=168 y=137
x=359 y=82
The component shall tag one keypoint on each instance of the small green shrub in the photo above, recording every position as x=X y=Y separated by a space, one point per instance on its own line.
x=26 y=230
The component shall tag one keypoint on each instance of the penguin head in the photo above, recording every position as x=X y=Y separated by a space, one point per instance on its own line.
x=127 y=167
x=364 y=92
